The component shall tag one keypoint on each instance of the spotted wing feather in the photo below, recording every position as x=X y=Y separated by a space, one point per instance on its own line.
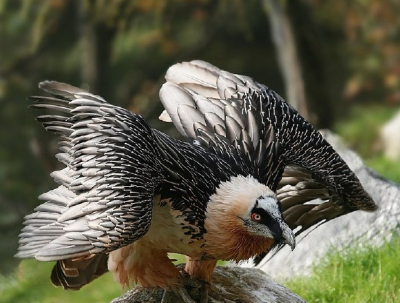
x=217 y=119
x=106 y=190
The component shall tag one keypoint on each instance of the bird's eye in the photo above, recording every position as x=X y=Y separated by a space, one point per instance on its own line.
x=255 y=217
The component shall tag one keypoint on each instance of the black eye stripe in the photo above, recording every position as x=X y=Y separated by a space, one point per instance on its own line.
x=279 y=205
x=265 y=216
x=260 y=211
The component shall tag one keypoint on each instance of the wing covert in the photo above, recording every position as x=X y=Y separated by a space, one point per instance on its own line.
x=215 y=108
x=258 y=123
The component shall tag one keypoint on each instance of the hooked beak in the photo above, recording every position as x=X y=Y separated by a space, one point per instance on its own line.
x=288 y=235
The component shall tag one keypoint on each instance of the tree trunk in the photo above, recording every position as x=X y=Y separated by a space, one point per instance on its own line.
x=95 y=37
x=318 y=63
x=287 y=55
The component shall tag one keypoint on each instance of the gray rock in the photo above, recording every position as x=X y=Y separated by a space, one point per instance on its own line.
x=390 y=137
x=234 y=284
x=357 y=227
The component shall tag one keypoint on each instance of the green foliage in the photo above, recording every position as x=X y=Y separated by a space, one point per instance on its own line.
x=360 y=132
x=360 y=127
x=388 y=168
x=357 y=275
x=370 y=45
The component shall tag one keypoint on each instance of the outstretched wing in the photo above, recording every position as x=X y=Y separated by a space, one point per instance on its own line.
x=217 y=109
x=205 y=102
x=107 y=187
x=305 y=200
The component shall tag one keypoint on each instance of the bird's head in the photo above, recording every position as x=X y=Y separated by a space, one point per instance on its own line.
x=245 y=219
x=264 y=218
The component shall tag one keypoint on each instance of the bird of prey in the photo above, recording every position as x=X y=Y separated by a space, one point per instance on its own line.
x=250 y=172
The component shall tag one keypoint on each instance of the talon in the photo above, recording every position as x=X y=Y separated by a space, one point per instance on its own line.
x=166 y=298
x=203 y=292
x=191 y=283
x=185 y=296
x=215 y=295
x=170 y=296
x=197 y=288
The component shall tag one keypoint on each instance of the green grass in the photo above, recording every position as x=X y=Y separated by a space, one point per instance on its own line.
x=354 y=276
x=388 y=168
x=30 y=283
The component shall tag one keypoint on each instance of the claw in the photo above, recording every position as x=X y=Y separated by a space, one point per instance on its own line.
x=197 y=288
x=170 y=296
x=180 y=292
x=191 y=290
x=185 y=296
x=203 y=293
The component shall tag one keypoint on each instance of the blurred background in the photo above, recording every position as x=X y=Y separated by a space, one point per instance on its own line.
x=337 y=62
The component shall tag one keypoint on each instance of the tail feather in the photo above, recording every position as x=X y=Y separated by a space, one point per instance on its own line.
x=77 y=272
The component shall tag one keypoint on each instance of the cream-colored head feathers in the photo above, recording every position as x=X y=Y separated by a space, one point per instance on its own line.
x=237 y=196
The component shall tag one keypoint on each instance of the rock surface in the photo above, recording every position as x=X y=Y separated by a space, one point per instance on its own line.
x=234 y=284
x=360 y=227
x=390 y=136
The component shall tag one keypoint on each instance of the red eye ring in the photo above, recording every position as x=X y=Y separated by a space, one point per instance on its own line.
x=255 y=217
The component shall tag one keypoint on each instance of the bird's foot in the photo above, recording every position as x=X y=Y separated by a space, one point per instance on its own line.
x=200 y=290
x=196 y=288
x=192 y=290
x=189 y=290
x=185 y=291
x=170 y=296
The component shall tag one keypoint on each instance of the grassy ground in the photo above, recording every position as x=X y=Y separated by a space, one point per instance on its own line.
x=31 y=284
x=355 y=276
